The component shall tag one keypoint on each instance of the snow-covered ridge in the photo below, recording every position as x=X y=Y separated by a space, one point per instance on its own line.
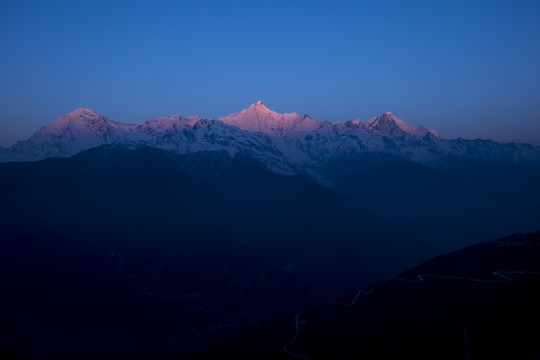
x=388 y=124
x=258 y=118
x=286 y=143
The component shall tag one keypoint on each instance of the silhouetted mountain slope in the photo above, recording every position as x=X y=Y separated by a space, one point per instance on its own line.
x=156 y=239
x=480 y=303
x=10 y=355
x=146 y=253
x=462 y=189
x=379 y=176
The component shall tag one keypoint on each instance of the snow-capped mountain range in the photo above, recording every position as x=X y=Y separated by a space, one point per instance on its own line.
x=287 y=143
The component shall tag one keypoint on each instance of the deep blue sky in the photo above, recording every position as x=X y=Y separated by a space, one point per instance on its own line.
x=464 y=68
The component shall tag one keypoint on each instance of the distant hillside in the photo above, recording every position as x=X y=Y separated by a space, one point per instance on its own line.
x=477 y=303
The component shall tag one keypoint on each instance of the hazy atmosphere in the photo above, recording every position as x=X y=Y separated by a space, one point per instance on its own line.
x=215 y=180
x=464 y=68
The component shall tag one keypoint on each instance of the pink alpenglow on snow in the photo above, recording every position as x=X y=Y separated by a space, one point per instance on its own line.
x=286 y=143
x=258 y=118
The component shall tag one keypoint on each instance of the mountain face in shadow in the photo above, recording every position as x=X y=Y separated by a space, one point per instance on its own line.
x=480 y=302
x=156 y=239
x=145 y=253
x=407 y=175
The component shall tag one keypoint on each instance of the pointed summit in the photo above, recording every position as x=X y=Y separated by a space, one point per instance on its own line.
x=79 y=130
x=389 y=124
x=167 y=124
x=259 y=106
x=80 y=115
x=81 y=120
x=81 y=112
x=258 y=118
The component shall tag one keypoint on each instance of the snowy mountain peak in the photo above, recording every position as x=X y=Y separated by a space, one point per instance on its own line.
x=258 y=118
x=81 y=119
x=434 y=134
x=68 y=135
x=371 y=121
x=389 y=124
x=359 y=123
x=82 y=112
x=304 y=143
x=78 y=115
x=259 y=106
x=389 y=117
x=175 y=117
x=167 y=124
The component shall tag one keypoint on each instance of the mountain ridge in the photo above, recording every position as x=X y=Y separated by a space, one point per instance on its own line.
x=287 y=143
x=264 y=243
x=255 y=118
x=475 y=302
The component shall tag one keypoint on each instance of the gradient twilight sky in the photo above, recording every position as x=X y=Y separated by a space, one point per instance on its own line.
x=463 y=68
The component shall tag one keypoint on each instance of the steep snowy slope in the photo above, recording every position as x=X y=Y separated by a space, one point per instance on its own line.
x=286 y=143
x=388 y=124
x=166 y=125
x=259 y=118
x=70 y=134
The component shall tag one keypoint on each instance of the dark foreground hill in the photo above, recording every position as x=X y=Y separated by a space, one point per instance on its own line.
x=477 y=303
x=122 y=252
x=142 y=253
